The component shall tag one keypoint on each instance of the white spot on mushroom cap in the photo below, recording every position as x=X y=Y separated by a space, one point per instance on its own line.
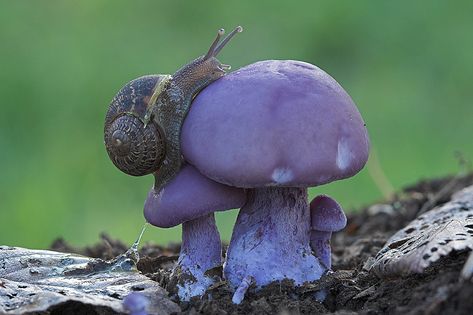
x=282 y=175
x=344 y=155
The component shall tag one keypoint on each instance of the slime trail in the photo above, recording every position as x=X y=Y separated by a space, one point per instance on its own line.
x=125 y=262
x=128 y=260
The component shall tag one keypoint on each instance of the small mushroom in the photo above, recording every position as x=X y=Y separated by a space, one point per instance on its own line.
x=191 y=199
x=326 y=216
x=136 y=303
x=274 y=127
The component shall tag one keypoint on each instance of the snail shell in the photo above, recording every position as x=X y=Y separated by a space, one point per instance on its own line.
x=135 y=146
x=144 y=120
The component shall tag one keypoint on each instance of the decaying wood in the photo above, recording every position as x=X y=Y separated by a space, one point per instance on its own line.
x=38 y=280
x=434 y=234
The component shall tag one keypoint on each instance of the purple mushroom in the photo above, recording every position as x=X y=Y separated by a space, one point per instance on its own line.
x=136 y=303
x=326 y=216
x=276 y=128
x=191 y=199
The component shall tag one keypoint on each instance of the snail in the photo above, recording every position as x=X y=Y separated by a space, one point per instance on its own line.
x=143 y=122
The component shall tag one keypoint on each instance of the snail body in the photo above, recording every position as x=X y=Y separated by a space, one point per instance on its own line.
x=144 y=120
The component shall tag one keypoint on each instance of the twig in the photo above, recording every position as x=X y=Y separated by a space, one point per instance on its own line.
x=378 y=176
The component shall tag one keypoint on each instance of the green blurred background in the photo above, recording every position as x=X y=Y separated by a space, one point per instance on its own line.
x=407 y=64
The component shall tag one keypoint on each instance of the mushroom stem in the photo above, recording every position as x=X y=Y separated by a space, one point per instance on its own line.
x=320 y=244
x=271 y=237
x=201 y=251
x=201 y=243
x=240 y=292
x=327 y=216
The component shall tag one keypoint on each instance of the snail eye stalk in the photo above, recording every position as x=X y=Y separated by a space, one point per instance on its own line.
x=217 y=46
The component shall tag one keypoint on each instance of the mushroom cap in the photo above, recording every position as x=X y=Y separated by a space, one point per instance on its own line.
x=188 y=196
x=275 y=123
x=326 y=214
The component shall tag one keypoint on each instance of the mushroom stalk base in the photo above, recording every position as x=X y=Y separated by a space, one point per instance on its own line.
x=201 y=251
x=320 y=243
x=270 y=241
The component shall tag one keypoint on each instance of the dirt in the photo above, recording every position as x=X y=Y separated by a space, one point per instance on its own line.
x=350 y=288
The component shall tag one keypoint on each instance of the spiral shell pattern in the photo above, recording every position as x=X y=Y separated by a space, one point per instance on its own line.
x=134 y=148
